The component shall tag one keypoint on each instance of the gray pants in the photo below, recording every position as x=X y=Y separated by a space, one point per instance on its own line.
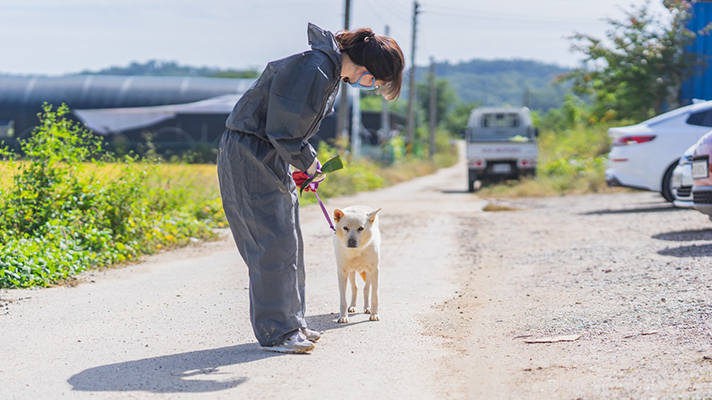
x=261 y=204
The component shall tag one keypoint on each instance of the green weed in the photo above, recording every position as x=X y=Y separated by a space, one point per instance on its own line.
x=69 y=205
x=66 y=211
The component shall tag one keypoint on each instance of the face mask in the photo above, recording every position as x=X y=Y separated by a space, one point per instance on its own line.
x=358 y=84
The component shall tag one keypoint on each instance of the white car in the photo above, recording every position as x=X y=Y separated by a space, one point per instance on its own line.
x=681 y=183
x=643 y=156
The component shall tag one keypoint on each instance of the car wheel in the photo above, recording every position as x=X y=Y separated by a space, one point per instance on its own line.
x=667 y=184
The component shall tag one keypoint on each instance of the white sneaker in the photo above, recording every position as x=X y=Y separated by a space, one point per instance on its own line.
x=295 y=344
x=311 y=335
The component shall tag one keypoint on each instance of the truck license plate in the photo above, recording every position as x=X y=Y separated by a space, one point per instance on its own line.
x=501 y=168
x=700 y=169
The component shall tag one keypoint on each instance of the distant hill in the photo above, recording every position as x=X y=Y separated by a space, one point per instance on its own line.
x=499 y=82
x=171 y=68
x=490 y=82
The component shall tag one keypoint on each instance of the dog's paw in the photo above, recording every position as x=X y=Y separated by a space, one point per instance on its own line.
x=343 y=320
x=374 y=317
x=367 y=310
x=352 y=309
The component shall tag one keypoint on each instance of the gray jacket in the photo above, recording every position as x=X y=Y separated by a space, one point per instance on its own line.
x=286 y=105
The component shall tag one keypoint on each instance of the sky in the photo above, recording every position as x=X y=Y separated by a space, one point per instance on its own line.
x=54 y=37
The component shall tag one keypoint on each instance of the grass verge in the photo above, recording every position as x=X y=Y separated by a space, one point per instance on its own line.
x=69 y=206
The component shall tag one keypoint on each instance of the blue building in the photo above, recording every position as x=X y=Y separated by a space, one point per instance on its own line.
x=700 y=86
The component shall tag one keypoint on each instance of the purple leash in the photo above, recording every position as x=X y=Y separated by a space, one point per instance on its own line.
x=323 y=209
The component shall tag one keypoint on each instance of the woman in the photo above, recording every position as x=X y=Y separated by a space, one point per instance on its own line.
x=266 y=132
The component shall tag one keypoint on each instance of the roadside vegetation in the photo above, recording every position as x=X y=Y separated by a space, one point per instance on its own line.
x=573 y=152
x=632 y=75
x=68 y=205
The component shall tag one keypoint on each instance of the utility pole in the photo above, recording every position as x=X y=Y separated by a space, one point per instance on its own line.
x=342 y=123
x=525 y=100
x=432 y=108
x=411 y=90
x=355 y=122
x=385 y=115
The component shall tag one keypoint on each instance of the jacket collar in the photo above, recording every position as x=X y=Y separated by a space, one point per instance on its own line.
x=324 y=41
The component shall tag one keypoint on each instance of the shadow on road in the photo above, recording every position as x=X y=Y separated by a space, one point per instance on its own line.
x=193 y=372
x=688 y=251
x=667 y=207
x=327 y=322
x=686 y=236
x=450 y=191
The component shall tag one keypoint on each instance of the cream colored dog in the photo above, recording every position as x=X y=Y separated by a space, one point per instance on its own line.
x=357 y=243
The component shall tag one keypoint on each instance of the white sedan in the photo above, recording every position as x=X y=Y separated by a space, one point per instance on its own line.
x=643 y=156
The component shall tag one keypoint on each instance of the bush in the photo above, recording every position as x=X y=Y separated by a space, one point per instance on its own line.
x=69 y=205
x=572 y=158
x=363 y=174
x=66 y=211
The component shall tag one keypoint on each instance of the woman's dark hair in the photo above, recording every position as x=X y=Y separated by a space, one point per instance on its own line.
x=379 y=54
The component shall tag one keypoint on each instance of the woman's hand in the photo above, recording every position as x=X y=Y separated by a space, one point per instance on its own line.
x=300 y=177
x=314 y=168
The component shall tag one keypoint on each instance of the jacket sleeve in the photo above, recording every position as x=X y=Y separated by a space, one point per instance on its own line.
x=296 y=93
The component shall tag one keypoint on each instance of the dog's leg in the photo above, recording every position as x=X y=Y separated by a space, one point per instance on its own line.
x=354 y=291
x=343 y=313
x=366 y=300
x=373 y=279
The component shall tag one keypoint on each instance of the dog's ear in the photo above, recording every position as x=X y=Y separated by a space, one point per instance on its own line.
x=372 y=216
x=338 y=214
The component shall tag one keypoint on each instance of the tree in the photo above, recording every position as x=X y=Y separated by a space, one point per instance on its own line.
x=455 y=121
x=172 y=68
x=445 y=97
x=641 y=74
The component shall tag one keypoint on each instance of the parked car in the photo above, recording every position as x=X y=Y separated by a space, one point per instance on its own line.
x=644 y=156
x=682 y=180
x=701 y=179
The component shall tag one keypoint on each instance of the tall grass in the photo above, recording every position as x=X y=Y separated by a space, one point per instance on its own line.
x=63 y=211
x=363 y=174
x=571 y=161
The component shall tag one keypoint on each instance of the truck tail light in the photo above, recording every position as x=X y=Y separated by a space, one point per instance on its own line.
x=627 y=140
x=527 y=163
x=477 y=164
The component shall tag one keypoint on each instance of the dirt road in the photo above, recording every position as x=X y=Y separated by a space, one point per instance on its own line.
x=462 y=290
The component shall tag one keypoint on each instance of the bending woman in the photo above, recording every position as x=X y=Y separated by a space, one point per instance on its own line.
x=267 y=131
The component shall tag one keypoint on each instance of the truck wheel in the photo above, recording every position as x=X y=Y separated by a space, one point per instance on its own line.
x=471 y=179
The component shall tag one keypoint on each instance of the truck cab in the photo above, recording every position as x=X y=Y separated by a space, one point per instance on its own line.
x=501 y=144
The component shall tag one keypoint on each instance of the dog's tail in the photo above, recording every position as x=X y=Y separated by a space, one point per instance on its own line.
x=363 y=276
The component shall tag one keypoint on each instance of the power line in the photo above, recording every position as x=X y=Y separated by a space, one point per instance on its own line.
x=404 y=10
x=394 y=32
x=471 y=13
x=376 y=12
x=403 y=16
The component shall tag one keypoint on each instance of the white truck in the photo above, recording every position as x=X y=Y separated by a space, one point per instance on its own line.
x=501 y=144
